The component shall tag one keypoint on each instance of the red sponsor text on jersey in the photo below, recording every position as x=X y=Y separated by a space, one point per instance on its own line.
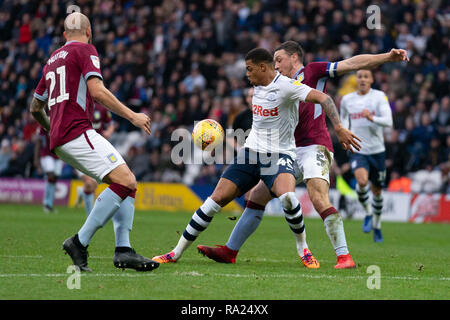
x=260 y=111
x=359 y=115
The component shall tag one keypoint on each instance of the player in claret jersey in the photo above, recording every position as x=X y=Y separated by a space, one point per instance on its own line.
x=268 y=153
x=70 y=82
x=314 y=153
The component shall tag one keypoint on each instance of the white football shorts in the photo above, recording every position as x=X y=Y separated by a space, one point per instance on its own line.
x=52 y=165
x=314 y=161
x=91 y=154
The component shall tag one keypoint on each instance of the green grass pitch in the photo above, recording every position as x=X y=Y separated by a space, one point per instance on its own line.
x=413 y=261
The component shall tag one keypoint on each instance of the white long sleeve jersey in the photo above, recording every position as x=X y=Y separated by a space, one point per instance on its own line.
x=275 y=115
x=371 y=133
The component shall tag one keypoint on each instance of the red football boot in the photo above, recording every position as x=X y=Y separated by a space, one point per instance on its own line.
x=219 y=253
x=345 y=261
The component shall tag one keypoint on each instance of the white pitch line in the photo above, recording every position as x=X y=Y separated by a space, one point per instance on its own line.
x=21 y=257
x=228 y=275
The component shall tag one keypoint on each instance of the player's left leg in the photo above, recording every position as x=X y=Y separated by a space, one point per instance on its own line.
x=284 y=188
x=363 y=189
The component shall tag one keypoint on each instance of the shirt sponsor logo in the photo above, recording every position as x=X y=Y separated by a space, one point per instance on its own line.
x=260 y=111
x=359 y=115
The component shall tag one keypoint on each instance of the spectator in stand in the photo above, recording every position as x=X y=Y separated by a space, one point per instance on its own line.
x=149 y=59
x=5 y=154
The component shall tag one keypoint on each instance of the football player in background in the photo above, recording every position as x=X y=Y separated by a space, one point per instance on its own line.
x=47 y=162
x=367 y=111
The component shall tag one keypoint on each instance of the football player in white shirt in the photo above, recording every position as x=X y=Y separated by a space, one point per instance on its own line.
x=268 y=154
x=367 y=112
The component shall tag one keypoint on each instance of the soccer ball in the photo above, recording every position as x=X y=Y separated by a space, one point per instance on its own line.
x=207 y=134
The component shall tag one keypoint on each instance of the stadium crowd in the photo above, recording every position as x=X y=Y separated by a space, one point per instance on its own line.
x=182 y=61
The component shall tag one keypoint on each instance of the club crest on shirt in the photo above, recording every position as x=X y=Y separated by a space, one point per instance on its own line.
x=112 y=158
x=271 y=96
x=95 y=61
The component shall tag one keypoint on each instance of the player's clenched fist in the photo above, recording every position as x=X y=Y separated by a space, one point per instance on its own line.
x=397 y=55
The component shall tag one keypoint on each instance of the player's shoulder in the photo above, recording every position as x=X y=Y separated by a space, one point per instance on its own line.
x=280 y=83
x=317 y=67
x=312 y=66
x=377 y=93
x=281 y=79
x=320 y=69
x=349 y=96
x=81 y=47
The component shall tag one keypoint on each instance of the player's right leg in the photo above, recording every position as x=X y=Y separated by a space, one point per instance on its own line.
x=360 y=167
x=284 y=188
x=377 y=207
x=225 y=191
x=247 y=224
x=334 y=226
x=315 y=161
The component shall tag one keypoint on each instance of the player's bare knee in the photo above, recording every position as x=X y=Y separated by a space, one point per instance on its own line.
x=90 y=186
x=221 y=199
x=376 y=191
x=261 y=198
x=122 y=175
x=131 y=182
x=51 y=177
x=320 y=202
x=288 y=201
x=362 y=183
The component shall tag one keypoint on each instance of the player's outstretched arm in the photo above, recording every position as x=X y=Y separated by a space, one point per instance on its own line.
x=37 y=111
x=103 y=96
x=347 y=139
x=370 y=61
